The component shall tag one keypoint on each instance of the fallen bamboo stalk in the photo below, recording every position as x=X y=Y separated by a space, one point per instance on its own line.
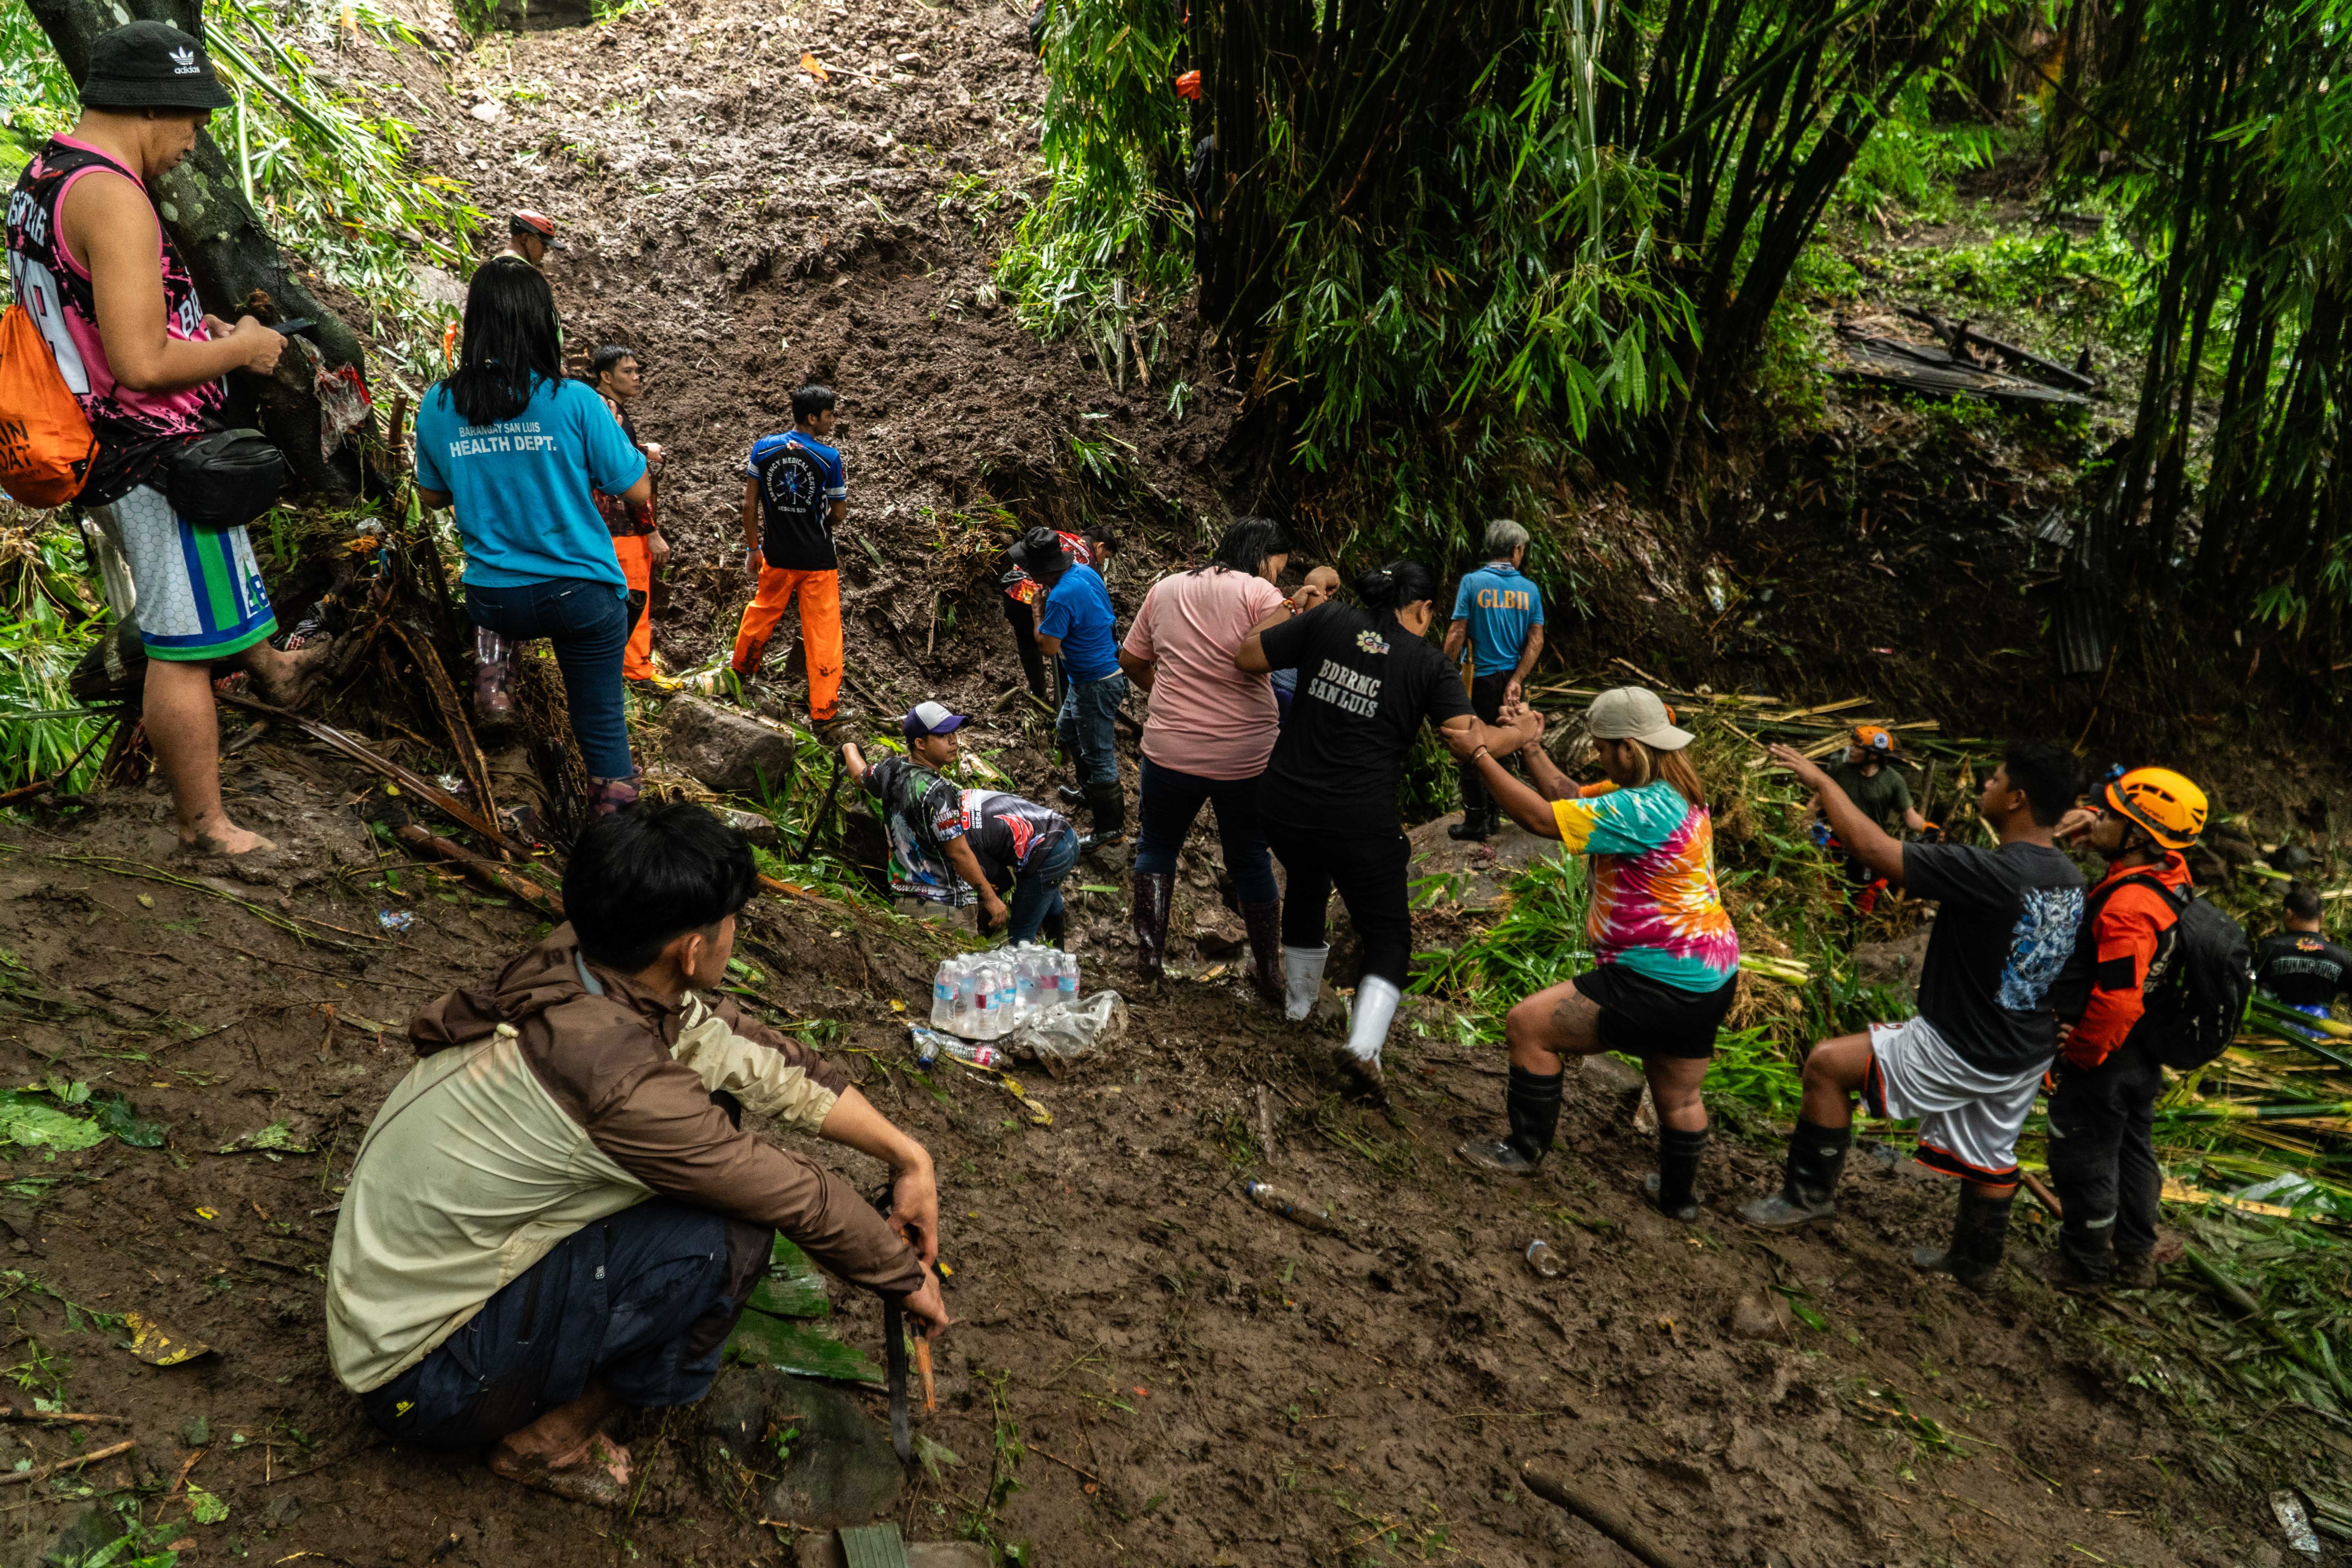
x=2230 y=1290
x=9 y=1413
x=2043 y=1194
x=1603 y=1517
x=470 y=761
x=491 y=875
x=14 y=1477
x=424 y=789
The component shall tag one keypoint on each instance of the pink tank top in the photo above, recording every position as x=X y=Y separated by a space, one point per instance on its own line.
x=54 y=288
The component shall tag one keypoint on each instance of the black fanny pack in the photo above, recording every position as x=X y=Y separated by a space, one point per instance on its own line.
x=224 y=479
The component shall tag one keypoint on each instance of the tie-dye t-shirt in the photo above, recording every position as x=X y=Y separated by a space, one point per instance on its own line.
x=1656 y=906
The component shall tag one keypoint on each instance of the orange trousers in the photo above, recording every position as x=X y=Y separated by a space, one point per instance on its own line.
x=819 y=594
x=636 y=555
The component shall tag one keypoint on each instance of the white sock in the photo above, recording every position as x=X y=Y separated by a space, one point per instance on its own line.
x=1302 y=975
x=1376 y=1005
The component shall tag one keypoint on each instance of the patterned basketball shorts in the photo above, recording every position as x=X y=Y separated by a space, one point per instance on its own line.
x=200 y=590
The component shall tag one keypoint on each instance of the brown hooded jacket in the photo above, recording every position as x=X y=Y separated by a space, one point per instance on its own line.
x=554 y=1095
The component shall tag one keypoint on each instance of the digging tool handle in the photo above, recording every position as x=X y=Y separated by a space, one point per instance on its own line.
x=832 y=794
x=1603 y=1517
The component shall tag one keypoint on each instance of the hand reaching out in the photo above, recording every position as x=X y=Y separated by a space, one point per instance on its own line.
x=1808 y=772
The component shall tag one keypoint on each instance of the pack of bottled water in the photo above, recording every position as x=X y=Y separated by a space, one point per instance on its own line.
x=982 y=995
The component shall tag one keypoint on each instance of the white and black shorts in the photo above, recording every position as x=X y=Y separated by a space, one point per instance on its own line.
x=1969 y=1117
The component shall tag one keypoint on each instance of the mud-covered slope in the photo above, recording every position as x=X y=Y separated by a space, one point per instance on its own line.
x=1172 y=1375
x=746 y=227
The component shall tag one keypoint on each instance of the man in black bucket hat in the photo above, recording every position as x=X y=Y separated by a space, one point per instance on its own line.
x=119 y=309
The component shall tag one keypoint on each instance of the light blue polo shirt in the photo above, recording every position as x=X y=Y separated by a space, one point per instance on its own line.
x=1501 y=604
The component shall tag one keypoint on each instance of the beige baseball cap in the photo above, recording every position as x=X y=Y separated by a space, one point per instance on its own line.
x=1635 y=713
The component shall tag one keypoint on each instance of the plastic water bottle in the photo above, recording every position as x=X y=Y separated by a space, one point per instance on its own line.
x=1299 y=1211
x=988 y=1020
x=1065 y=976
x=930 y=1046
x=1544 y=1260
x=944 y=992
x=1040 y=978
x=967 y=1004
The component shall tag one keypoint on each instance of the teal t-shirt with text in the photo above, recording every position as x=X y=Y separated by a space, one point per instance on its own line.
x=521 y=486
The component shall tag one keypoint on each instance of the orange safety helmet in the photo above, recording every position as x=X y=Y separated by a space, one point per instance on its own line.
x=2166 y=806
x=1871 y=738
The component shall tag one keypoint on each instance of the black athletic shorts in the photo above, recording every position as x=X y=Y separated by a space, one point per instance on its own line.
x=1646 y=1018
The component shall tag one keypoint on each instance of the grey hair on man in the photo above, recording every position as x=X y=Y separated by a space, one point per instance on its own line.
x=1503 y=537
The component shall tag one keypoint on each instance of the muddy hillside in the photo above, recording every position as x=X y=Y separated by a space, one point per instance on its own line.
x=747 y=226
x=1147 y=1368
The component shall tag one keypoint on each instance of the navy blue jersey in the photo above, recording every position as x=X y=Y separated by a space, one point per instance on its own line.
x=800 y=477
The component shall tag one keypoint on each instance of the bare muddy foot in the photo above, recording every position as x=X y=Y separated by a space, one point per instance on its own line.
x=597 y=1472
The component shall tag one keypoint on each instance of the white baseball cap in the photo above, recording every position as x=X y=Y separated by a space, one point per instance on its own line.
x=1635 y=713
x=931 y=719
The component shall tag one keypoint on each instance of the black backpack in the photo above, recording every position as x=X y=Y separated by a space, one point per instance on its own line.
x=2195 y=1006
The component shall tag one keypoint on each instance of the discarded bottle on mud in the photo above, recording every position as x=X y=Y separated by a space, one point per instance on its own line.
x=930 y=1046
x=1547 y=1263
x=1297 y=1210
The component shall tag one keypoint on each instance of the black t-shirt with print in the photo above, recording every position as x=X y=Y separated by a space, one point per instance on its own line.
x=1365 y=684
x=1006 y=831
x=2001 y=962
x=2303 y=968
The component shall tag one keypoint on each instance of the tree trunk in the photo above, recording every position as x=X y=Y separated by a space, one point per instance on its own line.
x=230 y=254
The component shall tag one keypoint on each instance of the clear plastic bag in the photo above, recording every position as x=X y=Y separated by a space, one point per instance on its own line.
x=1066 y=1032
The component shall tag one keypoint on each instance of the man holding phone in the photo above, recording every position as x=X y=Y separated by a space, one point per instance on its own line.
x=88 y=256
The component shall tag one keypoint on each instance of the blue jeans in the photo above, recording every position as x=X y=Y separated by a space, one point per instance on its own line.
x=1168 y=800
x=1038 y=888
x=1084 y=727
x=642 y=1303
x=588 y=621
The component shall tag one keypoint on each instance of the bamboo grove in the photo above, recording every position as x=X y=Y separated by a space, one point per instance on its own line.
x=1490 y=246
x=2214 y=125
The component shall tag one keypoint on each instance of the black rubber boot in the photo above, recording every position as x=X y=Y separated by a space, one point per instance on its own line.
x=1109 y=803
x=1153 y=891
x=1816 y=1158
x=1053 y=927
x=1673 y=1190
x=1532 y=1103
x=1070 y=794
x=1265 y=924
x=1980 y=1229
x=1476 y=823
x=2134 y=1270
x=2088 y=1250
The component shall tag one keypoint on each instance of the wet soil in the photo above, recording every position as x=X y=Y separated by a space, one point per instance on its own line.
x=1171 y=1374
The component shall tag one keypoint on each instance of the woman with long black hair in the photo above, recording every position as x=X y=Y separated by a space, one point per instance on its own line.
x=519 y=449
x=1210 y=730
x=1367 y=679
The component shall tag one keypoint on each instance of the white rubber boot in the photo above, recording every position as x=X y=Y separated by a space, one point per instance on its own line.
x=1368 y=1029
x=1376 y=1005
x=1302 y=980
